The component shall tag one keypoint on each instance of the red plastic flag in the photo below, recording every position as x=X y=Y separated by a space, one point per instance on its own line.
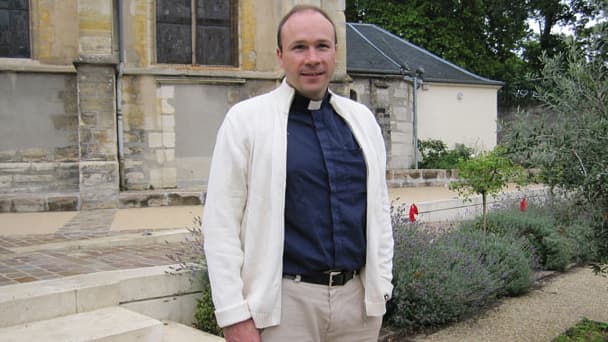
x=523 y=206
x=413 y=212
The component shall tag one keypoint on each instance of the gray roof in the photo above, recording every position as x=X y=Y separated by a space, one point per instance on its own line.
x=373 y=50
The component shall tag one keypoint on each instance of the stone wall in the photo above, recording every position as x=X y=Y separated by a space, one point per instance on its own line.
x=403 y=178
x=39 y=145
x=390 y=100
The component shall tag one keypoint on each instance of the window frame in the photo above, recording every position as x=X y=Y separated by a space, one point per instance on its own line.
x=29 y=54
x=233 y=31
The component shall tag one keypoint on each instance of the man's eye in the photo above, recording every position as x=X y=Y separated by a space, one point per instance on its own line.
x=299 y=47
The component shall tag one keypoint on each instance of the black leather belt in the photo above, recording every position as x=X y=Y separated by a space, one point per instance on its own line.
x=329 y=278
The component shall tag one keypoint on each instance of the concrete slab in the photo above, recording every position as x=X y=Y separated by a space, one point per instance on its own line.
x=156 y=217
x=135 y=239
x=108 y=325
x=179 y=332
x=48 y=299
x=34 y=223
x=175 y=308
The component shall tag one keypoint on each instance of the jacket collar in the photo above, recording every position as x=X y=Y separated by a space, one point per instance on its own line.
x=286 y=94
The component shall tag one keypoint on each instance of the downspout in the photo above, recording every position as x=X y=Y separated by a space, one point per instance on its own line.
x=415 y=120
x=416 y=79
x=119 y=125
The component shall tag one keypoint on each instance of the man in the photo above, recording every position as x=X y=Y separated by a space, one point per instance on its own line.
x=297 y=229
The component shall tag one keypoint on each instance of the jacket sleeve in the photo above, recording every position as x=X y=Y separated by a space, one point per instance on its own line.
x=385 y=251
x=221 y=225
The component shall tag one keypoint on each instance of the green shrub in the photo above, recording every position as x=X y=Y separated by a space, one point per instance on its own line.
x=553 y=248
x=509 y=259
x=435 y=154
x=205 y=311
x=444 y=277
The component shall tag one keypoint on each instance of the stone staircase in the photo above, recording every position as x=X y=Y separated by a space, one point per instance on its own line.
x=146 y=304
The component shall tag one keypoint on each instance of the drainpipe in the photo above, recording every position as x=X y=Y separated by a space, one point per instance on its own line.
x=415 y=120
x=416 y=79
x=121 y=58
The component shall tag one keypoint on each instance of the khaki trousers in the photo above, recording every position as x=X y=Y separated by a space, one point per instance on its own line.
x=320 y=313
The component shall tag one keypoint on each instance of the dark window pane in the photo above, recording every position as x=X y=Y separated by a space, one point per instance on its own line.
x=14 y=29
x=174 y=12
x=213 y=10
x=213 y=46
x=173 y=31
x=174 y=43
x=216 y=32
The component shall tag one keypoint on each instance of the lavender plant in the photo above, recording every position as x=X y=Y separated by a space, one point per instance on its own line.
x=444 y=275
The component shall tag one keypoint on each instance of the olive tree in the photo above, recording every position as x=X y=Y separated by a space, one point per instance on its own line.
x=486 y=174
x=568 y=137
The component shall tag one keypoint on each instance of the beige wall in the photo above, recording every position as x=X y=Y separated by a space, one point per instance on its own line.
x=458 y=114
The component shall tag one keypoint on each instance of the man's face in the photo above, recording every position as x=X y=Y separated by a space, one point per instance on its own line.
x=309 y=53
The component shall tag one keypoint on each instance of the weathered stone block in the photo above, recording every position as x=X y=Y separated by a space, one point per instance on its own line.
x=166 y=106
x=33 y=179
x=169 y=139
x=185 y=199
x=24 y=205
x=36 y=154
x=63 y=203
x=67 y=153
x=429 y=174
x=99 y=199
x=155 y=140
x=5 y=205
x=5 y=182
x=9 y=155
x=168 y=122
x=43 y=167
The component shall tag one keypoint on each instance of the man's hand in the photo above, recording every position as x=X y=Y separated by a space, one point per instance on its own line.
x=244 y=331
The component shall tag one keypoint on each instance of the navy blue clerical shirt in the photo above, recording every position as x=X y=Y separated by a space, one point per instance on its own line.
x=325 y=198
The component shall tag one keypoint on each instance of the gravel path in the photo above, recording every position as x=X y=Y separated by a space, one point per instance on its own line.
x=540 y=315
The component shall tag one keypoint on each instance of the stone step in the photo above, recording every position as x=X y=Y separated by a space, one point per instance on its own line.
x=113 y=324
x=176 y=332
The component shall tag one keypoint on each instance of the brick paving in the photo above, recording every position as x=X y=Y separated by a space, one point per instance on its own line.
x=49 y=264
x=20 y=267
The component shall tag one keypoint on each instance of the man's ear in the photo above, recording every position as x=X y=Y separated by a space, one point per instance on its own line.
x=280 y=56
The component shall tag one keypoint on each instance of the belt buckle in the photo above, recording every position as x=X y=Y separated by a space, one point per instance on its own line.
x=331 y=276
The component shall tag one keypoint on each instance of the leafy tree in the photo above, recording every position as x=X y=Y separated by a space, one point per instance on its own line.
x=486 y=174
x=568 y=138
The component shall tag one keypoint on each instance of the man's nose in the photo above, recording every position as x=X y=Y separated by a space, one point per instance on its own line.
x=312 y=56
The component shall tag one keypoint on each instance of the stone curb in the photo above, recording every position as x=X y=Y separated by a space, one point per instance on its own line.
x=170 y=236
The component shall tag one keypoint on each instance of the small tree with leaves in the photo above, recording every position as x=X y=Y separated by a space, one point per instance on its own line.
x=486 y=174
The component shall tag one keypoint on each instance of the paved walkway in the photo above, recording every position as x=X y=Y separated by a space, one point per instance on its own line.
x=37 y=246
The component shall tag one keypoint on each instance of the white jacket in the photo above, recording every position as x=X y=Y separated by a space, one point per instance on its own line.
x=243 y=223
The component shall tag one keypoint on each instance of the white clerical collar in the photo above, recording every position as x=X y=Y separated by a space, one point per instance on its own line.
x=314 y=105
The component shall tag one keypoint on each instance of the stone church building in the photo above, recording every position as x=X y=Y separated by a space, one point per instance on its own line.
x=116 y=103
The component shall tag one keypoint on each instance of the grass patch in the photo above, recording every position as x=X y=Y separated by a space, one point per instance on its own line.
x=585 y=331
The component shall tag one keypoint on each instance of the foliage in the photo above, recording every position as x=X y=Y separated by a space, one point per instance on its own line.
x=435 y=154
x=443 y=276
x=491 y=38
x=205 y=311
x=600 y=269
x=556 y=244
x=191 y=258
x=486 y=174
x=568 y=140
x=585 y=330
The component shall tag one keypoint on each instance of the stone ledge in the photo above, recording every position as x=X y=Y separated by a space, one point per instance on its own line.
x=27 y=203
x=160 y=198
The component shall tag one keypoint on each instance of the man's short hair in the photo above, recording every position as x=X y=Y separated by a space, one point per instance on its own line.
x=304 y=8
